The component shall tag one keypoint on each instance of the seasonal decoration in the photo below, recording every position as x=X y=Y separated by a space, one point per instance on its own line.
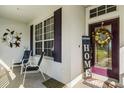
x=12 y=38
x=102 y=36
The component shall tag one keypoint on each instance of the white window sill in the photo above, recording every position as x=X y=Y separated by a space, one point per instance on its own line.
x=45 y=57
x=48 y=58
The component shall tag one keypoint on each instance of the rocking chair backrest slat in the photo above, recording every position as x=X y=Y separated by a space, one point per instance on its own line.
x=40 y=60
x=26 y=56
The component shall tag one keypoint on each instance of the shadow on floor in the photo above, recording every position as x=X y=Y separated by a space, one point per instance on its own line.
x=32 y=80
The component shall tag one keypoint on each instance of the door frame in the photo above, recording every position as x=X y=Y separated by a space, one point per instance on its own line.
x=114 y=73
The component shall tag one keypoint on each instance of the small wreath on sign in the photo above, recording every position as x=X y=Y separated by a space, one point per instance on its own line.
x=102 y=36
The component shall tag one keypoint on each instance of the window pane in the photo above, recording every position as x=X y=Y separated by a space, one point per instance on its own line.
x=109 y=6
x=44 y=36
x=51 y=27
x=45 y=44
x=48 y=52
x=51 y=20
x=111 y=9
x=52 y=35
x=40 y=51
x=44 y=30
x=93 y=15
x=35 y=32
x=35 y=37
x=48 y=28
x=47 y=36
x=41 y=25
x=35 y=44
x=52 y=44
x=49 y=42
x=101 y=12
x=47 y=21
x=38 y=46
x=40 y=32
x=101 y=7
x=93 y=11
x=44 y=23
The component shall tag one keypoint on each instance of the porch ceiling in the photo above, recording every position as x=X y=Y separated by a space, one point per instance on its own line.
x=25 y=13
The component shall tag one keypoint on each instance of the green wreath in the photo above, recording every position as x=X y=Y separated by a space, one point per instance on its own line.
x=102 y=36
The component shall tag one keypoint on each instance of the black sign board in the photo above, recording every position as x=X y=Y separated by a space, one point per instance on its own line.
x=86 y=56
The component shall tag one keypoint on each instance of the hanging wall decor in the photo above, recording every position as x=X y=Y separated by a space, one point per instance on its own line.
x=12 y=38
x=102 y=36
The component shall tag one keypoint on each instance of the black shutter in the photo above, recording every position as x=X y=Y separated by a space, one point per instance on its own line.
x=57 y=34
x=31 y=39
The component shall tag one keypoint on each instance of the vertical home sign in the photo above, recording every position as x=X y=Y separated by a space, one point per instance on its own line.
x=86 y=51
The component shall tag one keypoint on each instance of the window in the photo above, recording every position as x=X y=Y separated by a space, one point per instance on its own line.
x=48 y=36
x=38 y=39
x=44 y=37
x=103 y=9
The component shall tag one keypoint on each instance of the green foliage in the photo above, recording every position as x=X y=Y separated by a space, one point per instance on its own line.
x=101 y=54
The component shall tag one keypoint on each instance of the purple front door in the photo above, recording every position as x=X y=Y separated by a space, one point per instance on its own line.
x=105 y=60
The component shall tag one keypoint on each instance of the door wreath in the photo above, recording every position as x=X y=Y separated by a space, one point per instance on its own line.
x=102 y=36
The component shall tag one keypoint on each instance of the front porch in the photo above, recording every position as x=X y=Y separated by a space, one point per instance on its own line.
x=57 y=31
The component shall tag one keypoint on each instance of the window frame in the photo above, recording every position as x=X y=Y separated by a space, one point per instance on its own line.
x=43 y=35
x=38 y=39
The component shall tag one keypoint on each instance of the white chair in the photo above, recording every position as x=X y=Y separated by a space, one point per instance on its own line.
x=23 y=61
x=34 y=68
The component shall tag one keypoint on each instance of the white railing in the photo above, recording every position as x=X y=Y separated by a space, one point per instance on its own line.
x=4 y=81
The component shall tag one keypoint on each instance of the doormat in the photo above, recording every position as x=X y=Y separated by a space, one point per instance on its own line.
x=96 y=83
x=52 y=83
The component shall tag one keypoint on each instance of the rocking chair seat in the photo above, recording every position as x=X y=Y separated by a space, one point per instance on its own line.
x=32 y=68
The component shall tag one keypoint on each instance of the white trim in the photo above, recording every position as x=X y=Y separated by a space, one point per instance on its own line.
x=96 y=76
x=75 y=81
x=49 y=32
x=80 y=77
x=111 y=15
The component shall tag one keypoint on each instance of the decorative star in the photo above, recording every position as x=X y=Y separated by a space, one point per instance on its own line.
x=17 y=44
x=12 y=38
x=4 y=39
x=12 y=32
x=11 y=45
x=8 y=29
x=18 y=38
x=5 y=34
